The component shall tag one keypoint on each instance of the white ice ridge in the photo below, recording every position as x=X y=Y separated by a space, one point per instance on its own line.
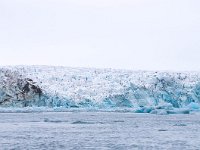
x=47 y=86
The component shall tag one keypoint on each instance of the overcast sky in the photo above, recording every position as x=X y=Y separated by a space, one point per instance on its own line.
x=128 y=34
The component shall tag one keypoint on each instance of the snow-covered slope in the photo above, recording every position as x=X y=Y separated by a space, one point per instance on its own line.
x=24 y=86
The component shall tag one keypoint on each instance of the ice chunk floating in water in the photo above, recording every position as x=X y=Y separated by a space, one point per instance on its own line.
x=82 y=88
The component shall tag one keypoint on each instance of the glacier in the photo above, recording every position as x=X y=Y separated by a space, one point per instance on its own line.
x=53 y=88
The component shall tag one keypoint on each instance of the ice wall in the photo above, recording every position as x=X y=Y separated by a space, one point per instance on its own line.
x=98 y=88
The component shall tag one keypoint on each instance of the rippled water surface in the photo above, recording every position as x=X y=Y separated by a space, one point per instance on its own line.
x=98 y=130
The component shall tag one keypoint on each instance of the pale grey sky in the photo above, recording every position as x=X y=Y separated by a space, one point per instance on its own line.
x=129 y=34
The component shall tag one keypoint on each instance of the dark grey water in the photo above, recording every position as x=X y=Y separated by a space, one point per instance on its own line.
x=98 y=130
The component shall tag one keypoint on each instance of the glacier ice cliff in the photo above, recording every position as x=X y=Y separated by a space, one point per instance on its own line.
x=64 y=87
